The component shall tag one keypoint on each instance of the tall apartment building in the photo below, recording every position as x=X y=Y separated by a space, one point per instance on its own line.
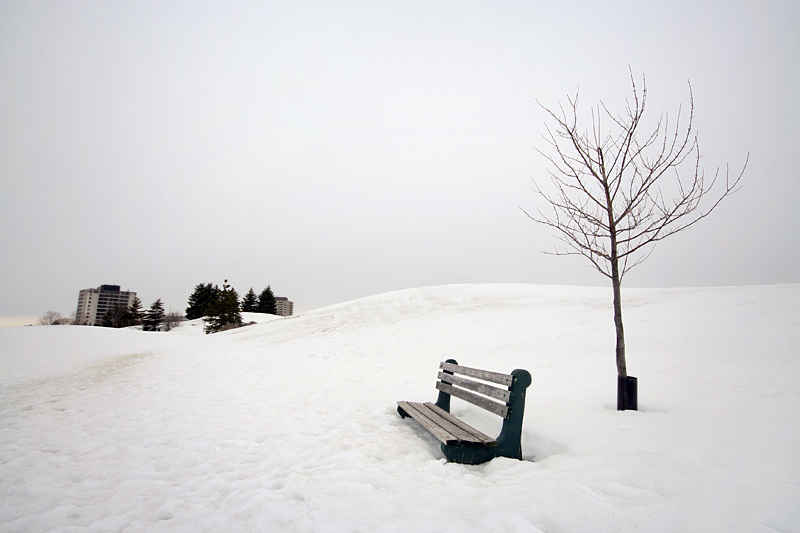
x=283 y=306
x=93 y=304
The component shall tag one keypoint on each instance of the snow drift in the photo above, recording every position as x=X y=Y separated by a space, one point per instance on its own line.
x=290 y=424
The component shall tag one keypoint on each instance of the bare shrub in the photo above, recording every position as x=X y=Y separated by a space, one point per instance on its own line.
x=53 y=318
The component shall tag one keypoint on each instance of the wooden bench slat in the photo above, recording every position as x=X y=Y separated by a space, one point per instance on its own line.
x=486 y=390
x=436 y=430
x=477 y=435
x=485 y=375
x=447 y=429
x=480 y=401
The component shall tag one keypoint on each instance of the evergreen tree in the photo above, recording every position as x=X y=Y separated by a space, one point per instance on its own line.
x=108 y=320
x=154 y=317
x=200 y=299
x=135 y=312
x=223 y=310
x=118 y=317
x=250 y=302
x=266 y=302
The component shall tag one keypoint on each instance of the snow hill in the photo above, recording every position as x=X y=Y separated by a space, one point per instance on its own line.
x=290 y=424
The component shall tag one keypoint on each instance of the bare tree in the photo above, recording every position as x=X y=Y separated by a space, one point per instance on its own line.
x=618 y=188
x=172 y=320
x=53 y=318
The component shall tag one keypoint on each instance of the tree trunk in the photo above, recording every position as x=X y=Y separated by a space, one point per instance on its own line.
x=616 y=279
x=627 y=395
x=626 y=387
x=622 y=370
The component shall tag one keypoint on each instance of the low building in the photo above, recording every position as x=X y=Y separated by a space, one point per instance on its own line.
x=283 y=306
x=93 y=304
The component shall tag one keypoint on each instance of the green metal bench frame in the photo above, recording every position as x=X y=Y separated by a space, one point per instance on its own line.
x=461 y=443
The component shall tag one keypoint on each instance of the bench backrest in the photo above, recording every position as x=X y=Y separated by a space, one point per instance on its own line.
x=494 y=399
x=507 y=401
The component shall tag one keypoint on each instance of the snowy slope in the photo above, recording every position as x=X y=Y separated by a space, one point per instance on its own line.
x=290 y=424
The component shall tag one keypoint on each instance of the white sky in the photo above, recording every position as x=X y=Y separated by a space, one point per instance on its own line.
x=335 y=150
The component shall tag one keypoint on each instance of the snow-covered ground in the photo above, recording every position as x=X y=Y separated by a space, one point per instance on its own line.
x=290 y=424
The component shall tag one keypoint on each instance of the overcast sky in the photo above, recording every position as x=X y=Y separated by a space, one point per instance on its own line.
x=334 y=150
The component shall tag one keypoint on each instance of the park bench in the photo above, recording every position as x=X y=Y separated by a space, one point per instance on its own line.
x=461 y=443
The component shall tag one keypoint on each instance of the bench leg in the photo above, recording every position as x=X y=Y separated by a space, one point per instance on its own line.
x=467 y=455
x=402 y=413
x=509 y=442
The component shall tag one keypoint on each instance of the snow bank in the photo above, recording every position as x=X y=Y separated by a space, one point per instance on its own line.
x=291 y=425
x=35 y=350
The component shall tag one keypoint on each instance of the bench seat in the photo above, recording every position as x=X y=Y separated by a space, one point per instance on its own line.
x=445 y=427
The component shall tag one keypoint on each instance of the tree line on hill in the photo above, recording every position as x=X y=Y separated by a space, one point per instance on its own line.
x=221 y=309
x=153 y=319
